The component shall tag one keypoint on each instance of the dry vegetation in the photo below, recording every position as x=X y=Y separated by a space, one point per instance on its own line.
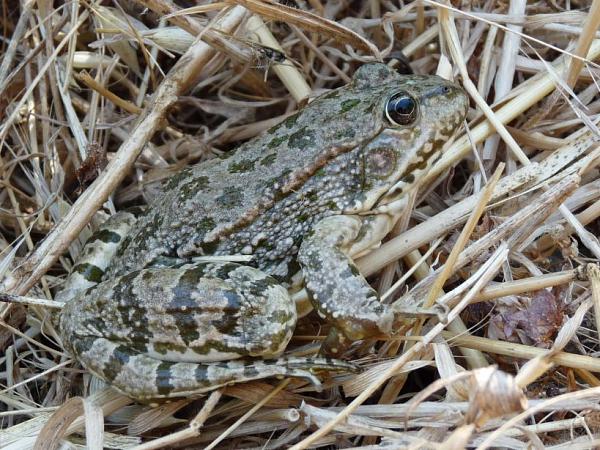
x=494 y=265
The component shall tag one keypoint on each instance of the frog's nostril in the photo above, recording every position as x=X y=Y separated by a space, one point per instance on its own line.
x=442 y=90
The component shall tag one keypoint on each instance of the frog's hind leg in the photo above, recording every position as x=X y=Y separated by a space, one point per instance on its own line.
x=146 y=378
x=166 y=332
x=97 y=254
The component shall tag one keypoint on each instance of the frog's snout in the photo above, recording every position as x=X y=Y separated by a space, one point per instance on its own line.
x=462 y=107
x=444 y=106
x=458 y=101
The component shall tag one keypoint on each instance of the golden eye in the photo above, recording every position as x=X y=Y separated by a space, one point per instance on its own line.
x=401 y=109
x=381 y=162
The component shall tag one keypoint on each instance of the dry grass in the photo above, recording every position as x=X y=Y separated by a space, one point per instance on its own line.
x=498 y=253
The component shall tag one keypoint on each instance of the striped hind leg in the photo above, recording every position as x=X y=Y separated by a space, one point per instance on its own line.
x=148 y=379
x=96 y=255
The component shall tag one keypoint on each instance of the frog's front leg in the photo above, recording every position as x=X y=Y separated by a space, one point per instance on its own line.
x=171 y=332
x=336 y=288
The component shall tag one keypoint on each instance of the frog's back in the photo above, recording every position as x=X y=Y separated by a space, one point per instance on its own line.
x=207 y=203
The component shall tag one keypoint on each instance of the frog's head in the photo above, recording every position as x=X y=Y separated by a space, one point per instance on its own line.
x=417 y=115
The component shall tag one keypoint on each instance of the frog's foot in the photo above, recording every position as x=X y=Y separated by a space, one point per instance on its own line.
x=337 y=290
x=146 y=378
x=96 y=255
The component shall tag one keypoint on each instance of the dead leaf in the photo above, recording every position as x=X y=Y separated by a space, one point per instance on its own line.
x=528 y=320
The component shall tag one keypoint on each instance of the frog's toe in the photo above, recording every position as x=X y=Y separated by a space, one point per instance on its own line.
x=301 y=367
x=320 y=363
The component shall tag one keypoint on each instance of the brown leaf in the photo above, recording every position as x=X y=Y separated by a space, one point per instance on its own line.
x=531 y=321
x=95 y=162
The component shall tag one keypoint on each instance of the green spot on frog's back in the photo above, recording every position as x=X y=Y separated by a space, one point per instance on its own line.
x=276 y=142
x=347 y=105
x=226 y=155
x=174 y=180
x=196 y=184
x=287 y=123
x=291 y=121
x=268 y=160
x=301 y=138
x=242 y=166
x=313 y=196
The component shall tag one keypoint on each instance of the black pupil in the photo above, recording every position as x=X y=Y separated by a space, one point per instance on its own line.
x=401 y=109
x=405 y=105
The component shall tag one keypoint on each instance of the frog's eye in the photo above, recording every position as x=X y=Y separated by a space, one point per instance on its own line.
x=401 y=109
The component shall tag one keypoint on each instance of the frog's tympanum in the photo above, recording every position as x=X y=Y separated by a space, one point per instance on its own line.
x=310 y=194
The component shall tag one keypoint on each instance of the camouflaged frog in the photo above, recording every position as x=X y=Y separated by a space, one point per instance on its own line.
x=309 y=194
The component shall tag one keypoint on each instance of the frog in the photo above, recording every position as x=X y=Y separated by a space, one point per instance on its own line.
x=156 y=306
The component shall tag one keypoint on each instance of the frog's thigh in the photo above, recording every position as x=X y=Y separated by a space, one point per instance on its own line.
x=157 y=330
x=192 y=313
x=338 y=291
